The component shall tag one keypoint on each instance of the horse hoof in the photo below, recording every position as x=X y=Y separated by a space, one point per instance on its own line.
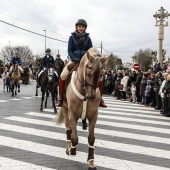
x=41 y=110
x=45 y=106
x=36 y=94
x=55 y=111
x=18 y=91
x=90 y=168
x=68 y=151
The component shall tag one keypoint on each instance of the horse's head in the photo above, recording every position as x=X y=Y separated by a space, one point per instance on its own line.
x=15 y=65
x=50 y=71
x=93 y=73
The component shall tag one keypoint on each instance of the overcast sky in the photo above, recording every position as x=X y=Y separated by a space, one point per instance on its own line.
x=124 y=26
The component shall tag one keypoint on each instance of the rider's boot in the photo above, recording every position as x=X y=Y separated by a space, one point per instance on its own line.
x=102 y=104
x=38 y=82
x=61 y=90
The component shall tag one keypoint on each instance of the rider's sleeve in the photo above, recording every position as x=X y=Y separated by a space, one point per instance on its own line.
x=89 y=43
x=20 y=62
x=11 y=61
x=44 y=63
x=71 y=48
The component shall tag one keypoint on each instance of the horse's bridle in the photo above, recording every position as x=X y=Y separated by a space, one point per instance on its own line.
x=85 y=84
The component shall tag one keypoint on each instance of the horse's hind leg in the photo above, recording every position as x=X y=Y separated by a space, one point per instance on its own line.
x=91 y=140
x=36 y=93
x=18 y=88
x=47 y=94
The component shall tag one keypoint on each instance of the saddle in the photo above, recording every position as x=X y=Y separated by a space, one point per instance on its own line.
x=71 y=67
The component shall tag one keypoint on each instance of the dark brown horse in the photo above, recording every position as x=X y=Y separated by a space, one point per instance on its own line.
x=48 y=82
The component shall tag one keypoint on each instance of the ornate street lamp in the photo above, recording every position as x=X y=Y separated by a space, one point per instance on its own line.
x=160 y=16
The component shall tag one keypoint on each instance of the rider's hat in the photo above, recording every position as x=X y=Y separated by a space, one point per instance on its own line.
x=48 y=50
x=81 y=22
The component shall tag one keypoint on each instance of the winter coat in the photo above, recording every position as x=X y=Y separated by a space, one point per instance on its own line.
x=75 y=50
x=16 y=59
x=158 y=83
x=133 y=89
x=47 y=60
x=167 y=88
x=124 y=82
x=138 y=80
x=148 y=89
x=161 y=88
x=143 y=86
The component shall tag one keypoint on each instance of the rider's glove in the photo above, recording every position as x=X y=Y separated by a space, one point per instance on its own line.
x=76 y=60
x=44 y=68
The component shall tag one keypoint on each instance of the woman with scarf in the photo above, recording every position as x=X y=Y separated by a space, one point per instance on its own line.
x=79 y=43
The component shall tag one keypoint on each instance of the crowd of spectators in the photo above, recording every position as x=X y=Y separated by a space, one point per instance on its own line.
x=151 y=88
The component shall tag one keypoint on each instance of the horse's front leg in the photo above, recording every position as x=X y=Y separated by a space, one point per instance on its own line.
x=91 y=140
x=74 y=136
x=47 y=94
x=12 y=89
x=42 y=100
x=18 y=88
x=53 y=101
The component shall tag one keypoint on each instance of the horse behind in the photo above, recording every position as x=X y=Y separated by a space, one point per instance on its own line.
x=26 y=75
x=82 y=100
x=48 y=81
x=15 y=79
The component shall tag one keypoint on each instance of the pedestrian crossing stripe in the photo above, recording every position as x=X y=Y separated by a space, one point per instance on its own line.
x=58 y=152
x=113 y=116
x=15 y=99
x=2 y=101
x=99 y=143
x=18 y=165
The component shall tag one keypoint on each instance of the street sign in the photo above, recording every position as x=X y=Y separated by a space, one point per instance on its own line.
x=136 y=66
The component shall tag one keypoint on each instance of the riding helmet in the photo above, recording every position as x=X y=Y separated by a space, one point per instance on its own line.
x=81 y=22
x=48 y=50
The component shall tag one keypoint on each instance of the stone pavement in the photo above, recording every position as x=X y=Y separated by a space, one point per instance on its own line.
x=128 y=136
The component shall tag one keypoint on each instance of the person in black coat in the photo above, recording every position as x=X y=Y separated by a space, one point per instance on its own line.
x=166 y=91
x=48 y=59
x=137 y=84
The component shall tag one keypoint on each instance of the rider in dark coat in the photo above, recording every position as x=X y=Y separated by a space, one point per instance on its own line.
x=46 y=60
x=59 y=64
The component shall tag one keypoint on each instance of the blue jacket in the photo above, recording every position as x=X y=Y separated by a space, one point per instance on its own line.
x=75 y=50
x=16 y=59
x=46 y=60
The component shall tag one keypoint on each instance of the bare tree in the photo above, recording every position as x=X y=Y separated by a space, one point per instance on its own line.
x=24 y=52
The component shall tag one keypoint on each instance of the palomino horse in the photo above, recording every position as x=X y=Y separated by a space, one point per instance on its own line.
x=48 y=81
x=15 y=79
x=83 y=98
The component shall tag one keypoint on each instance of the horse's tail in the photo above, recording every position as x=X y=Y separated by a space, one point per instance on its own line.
x=59 y=119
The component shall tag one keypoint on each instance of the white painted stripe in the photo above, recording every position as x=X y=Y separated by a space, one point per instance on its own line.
x=60 y=153
x=11 y=164
x=113 y=117
x=15 y=99
x=131 y=110
x=27 y=97
x=100 y=143
x=134 y=106
x=2 y=101
x=57 y=152
x=97 y=130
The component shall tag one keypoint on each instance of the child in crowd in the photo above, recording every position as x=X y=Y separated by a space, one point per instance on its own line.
x=148 y=92
x=133 y=91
